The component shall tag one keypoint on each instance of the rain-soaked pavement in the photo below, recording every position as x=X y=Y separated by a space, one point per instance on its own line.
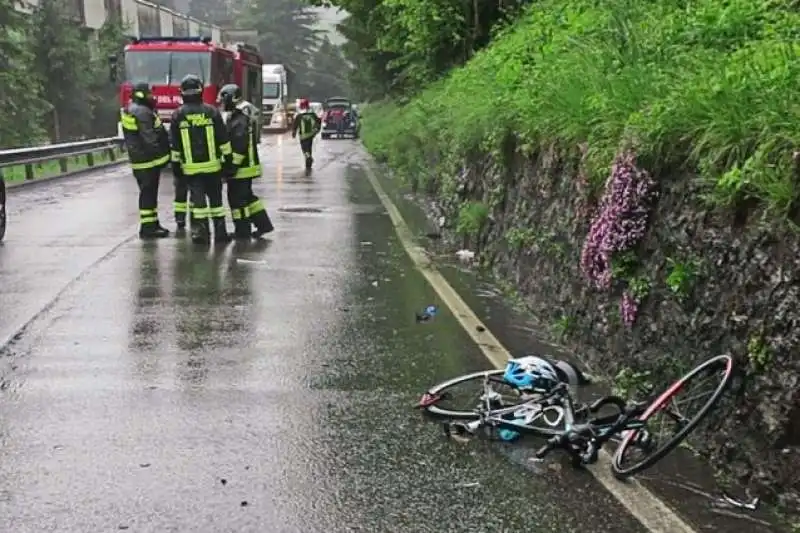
x=266 y=387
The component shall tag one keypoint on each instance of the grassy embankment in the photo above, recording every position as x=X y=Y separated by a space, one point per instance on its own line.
x=705 y=87
x=49 y=169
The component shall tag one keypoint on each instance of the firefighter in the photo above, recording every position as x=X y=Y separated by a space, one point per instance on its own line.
x=248 y=109
x=308 y=124
x=201 y=154
x=147 y=144
x=246 y=208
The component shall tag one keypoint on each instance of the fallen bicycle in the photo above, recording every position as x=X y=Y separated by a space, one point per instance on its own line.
x=538 y=400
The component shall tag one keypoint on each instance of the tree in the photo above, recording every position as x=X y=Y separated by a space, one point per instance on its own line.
x=285 y=31
x=103 y=93
x=401 y=46
x=371 y=75
x=60 y=55
x=329 y=72
x=19 y=90
x=220 y=12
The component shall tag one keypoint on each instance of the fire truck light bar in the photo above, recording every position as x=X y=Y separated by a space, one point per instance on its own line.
x=204 y=39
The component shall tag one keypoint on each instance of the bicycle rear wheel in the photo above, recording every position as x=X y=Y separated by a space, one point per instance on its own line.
x=716 y=372
x=460 y=398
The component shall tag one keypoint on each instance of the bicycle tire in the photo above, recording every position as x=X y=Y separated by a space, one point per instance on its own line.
x=616 y=464
x=437 y=390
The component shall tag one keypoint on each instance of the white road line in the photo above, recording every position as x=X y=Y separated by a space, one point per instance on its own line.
x=653 y=513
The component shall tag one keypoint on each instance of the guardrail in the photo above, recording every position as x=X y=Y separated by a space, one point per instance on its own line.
x=30 y=158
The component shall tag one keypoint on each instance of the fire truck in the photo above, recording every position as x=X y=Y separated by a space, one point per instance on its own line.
x=164 y=61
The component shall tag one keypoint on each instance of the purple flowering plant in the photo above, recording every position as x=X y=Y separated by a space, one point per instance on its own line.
x=618 y=226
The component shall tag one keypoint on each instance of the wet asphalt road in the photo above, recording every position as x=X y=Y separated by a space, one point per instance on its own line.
x=160 y=387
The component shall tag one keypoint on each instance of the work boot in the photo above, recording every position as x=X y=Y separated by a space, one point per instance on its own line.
x=262 y=223
x=241 y=229
x=220 y=231
x=152 y=230
x=200 y=232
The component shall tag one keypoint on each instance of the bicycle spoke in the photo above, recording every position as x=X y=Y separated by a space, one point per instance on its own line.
x=709 y=379
x=688 y=402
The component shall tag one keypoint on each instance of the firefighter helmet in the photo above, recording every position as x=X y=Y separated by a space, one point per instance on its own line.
x=191 y=85
x=141 y=91
x=303 y=104
x=142 y=94
x=229 y=96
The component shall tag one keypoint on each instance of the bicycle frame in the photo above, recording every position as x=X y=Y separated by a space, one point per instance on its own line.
x=583 y=440
x=495 y=417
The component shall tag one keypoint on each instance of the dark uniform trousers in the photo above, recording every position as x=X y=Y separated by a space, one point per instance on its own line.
x=306 y=145
x=205 y=196
x=181 y=206
x=148 y=179
x=247 y=208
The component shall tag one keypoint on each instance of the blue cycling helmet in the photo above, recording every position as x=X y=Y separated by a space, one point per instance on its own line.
x=531 y=372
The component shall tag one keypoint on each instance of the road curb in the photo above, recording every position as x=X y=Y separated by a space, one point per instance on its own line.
x=70 y=174
x=653 y=513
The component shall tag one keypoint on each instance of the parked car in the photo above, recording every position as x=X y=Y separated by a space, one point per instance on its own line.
x=2 y=208
x=340 y=118
x=318 y=108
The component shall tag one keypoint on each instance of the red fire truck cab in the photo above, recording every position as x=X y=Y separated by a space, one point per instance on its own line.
x=164 y=61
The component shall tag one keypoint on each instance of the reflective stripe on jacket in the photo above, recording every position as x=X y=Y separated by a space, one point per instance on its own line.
x=199 y=139
x=307 y=125
x=243 y=133
x=145 y=137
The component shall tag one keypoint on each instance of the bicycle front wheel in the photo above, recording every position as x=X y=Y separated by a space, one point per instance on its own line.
x=705 y=385
x=463 y=397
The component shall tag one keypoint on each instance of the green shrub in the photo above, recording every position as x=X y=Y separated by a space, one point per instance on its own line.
x=471 y=218
x=706 y=84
